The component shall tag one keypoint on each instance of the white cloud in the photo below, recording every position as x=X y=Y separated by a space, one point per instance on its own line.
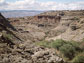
x=37 y=5
x=1 y=1
x=3 y=4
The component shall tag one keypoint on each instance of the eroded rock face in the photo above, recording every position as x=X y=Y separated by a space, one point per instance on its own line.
x=5 y=23
x=69 y=28
x=12 y=51
x=38 y=28
x=48 y=18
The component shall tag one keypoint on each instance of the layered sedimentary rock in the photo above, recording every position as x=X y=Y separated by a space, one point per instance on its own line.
x=66 y=25
x=25 y=51
x=52 y=24
x=48 y=18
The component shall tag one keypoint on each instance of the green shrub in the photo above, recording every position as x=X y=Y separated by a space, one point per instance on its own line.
x=68 y=51
x=79 y=58
x=44 y=43
x=7 y=36
x=58 y=43
x=75 y=45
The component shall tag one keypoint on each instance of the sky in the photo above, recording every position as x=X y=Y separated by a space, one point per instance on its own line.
x=41 y=4
x=50 y=0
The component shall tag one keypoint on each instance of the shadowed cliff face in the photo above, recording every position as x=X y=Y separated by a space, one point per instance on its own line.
x=5 y=23
x=48 y=18
x=6 y=29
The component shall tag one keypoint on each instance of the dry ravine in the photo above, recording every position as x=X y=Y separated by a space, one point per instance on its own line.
x=43 y=38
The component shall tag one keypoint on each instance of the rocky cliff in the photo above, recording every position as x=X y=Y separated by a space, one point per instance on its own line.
x=5 y=23
x=55 y=24
x=70 y=27
x=66 y=25
x=14 y=50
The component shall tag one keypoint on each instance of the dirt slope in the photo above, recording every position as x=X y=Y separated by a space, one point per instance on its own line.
x=67 y=25
x=14 y=50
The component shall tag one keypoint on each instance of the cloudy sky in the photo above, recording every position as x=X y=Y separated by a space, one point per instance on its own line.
x=41 y=4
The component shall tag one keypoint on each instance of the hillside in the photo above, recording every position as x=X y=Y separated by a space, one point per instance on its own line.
x=41 y=38
x=17 y=45
x=67 y=25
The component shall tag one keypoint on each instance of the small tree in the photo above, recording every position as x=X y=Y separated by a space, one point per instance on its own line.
x=76 y=45
x=68 y=51
x=58 y=43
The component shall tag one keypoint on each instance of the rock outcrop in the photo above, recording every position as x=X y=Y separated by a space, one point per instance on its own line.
x=48 y=18
x=13 y=51
x=67 y=25
x=53 y=24
x=5 y=23
x=70 y=27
